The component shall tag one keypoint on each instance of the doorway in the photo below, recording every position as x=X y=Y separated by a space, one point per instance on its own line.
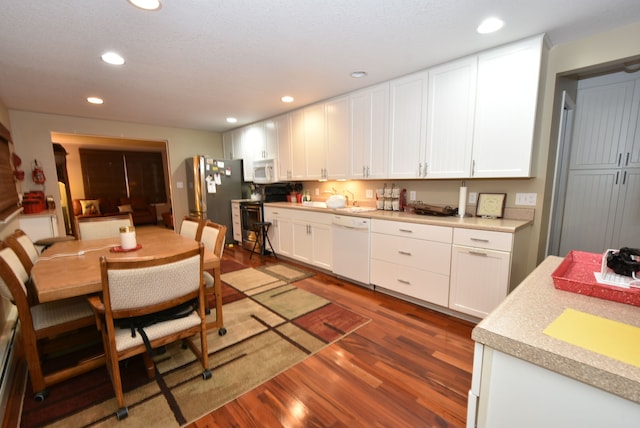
x=600 y=170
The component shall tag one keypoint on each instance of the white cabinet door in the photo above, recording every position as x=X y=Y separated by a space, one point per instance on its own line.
x=315 y=141
x=369 y=140
x=253 y=147
x=450 y=115
x=408 y=120
x=322 y=245
x=479 y=280
x=298 y=151
x=506 y=102
x=236 y=221
x=302 y=241
x=337 y=139
x=283 y=127
x=227 y=145
x=270 y=148
x=39 y=226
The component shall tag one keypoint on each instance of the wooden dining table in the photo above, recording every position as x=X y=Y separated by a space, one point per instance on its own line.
x=72 y=268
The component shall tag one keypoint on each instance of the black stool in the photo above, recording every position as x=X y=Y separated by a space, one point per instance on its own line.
x=261 y=229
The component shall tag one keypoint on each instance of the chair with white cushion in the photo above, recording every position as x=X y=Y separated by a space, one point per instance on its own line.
x=102 y=227
x=137 y=289
x=43 y=323
x=213 y=237
x=24 y=248
x=191 y=227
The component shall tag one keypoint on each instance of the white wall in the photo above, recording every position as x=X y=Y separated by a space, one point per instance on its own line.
x=31 y=133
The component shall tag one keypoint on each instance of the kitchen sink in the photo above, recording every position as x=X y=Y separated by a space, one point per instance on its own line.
x=314 y=204
x=356 y=209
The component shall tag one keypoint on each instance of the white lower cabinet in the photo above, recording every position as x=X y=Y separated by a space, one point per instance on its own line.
x=236 y=222
x=411 y=259
x=480 y=270
x=303 y=236
x=39 y=226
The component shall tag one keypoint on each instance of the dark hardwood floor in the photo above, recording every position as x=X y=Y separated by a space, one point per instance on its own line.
x=408 y=367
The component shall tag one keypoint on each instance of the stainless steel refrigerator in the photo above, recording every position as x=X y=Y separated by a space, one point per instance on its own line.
x=211 y=185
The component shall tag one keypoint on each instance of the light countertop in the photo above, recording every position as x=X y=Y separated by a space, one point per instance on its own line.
x=516 y=328
x=498 y=225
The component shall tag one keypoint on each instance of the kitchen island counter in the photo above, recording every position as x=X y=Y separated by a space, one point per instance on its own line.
x=516 y=328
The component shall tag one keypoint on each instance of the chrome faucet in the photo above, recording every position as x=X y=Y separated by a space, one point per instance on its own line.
x=353 y=198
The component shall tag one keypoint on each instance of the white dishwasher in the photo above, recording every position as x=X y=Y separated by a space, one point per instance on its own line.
x=351 y=242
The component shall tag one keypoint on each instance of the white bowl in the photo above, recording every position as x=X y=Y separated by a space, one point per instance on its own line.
x=336 y=201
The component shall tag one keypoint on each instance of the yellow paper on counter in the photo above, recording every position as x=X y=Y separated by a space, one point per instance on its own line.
x=613 y=339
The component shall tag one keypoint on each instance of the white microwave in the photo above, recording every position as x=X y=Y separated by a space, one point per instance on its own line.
x=264 y=171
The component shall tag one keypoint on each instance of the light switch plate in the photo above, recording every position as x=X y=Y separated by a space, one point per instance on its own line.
x=412 y=195
x=473 y=198
x=368 y=194
x=528 y=199
x=179 y=185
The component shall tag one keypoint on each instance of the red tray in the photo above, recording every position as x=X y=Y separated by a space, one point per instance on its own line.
x=119 y=249
x=576 y=274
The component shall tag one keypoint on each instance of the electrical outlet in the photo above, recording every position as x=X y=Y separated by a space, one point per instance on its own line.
x=473 y=197
x=412 y=195
x=368 y=193
x=529 y=199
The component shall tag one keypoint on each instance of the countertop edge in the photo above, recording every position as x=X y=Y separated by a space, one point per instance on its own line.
x=500 y=331
x=497 y=225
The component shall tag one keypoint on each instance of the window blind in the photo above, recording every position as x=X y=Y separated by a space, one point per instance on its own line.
x=8 y=193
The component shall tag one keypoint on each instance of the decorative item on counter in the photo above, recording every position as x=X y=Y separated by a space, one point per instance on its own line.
x=403 y=199
x=128 y=238
x=462 y=200
x=51 y=205
x=491 y=205
x=33 y=202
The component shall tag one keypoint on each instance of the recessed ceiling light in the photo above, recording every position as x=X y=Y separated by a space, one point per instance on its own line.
x=358 y=74
x=146 y=4
x=490 y=25
x=287 y=99
x=112 y=58
x=95 y=100
x=231 y=120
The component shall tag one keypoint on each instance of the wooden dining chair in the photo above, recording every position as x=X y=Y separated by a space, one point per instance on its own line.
x=134 y=291
x=213 y=237
x=43 y=323
x=191 y=227
x=103 y=226
x=24 y=249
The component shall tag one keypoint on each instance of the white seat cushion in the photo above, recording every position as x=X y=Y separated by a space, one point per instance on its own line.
x=165 y=328
x=54 y=313
x=208 y=279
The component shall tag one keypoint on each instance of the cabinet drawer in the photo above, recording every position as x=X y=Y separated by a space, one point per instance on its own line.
x=417 y=253
x=417 y=283
x=412 y=230
x=501 y=241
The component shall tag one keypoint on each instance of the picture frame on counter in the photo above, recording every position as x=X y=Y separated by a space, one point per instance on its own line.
x=491 y=205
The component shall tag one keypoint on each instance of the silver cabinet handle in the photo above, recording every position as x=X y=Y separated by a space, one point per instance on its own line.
x=479 y=240
x=477 y=253
x=404 y=253
x=406 y=230
x=404 y=281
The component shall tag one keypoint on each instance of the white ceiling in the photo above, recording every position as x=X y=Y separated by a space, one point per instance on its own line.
x=195 y=62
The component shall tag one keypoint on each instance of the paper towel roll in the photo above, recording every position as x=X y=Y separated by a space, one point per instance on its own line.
x=462 y=201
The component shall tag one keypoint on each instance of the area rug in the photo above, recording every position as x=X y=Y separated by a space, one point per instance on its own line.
x=271 y=325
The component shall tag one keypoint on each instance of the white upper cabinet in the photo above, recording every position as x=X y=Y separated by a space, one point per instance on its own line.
x=506 y=102
x=450 y=113
x=283 y=132
x=298 y=153
x=407 y=125
x=337 y=139
x=270 y=148
x=369 y=140
x=315 y=141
